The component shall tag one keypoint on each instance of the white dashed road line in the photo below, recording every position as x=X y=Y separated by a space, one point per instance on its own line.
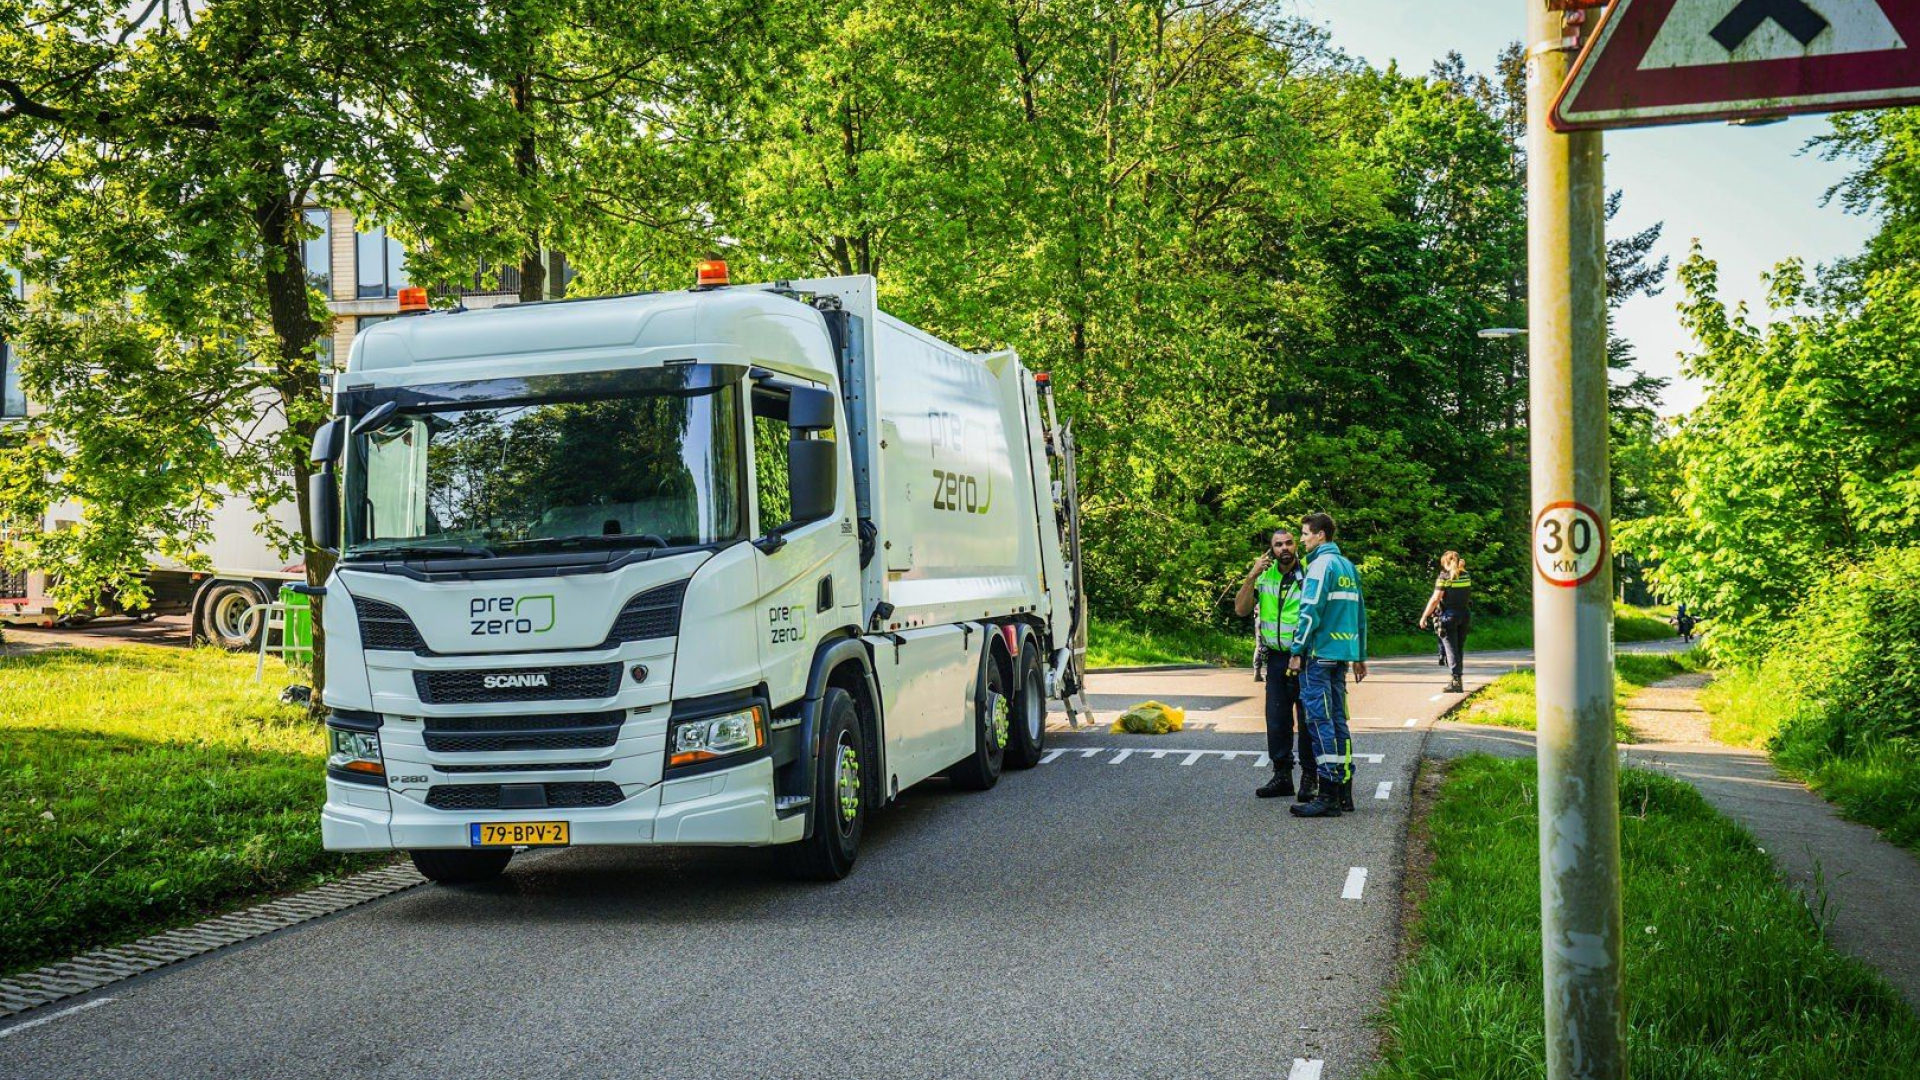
x=1438 y=696
x=1385 y=789
x=1305 y=1069
x=1411 y=721
x=82 y=1007
x=1356 y=883
x=1186 y=755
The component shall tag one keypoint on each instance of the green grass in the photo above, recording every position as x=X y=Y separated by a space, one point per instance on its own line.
x=1508 y=701
x=1743 y=708
x=1486 y=634
x=1727 y=972
x=145 y=787
x=1114 y=643
x=1878 y=785
x=1118 y=644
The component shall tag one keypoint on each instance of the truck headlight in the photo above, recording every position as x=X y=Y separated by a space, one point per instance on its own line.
x=709 y=737
x=355 y=751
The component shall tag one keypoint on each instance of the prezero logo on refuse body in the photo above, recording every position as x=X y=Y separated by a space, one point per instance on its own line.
x=491 y=615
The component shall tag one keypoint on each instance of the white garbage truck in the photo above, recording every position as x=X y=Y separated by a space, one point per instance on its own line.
x=730 y=566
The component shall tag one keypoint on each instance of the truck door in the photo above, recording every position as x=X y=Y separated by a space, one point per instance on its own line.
x=809 y=572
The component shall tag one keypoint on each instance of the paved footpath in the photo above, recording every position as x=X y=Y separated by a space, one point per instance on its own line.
x=1872 y=887
x=1126 y=909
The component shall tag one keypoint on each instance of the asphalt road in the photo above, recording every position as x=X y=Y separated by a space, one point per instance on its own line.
x=1102 y=915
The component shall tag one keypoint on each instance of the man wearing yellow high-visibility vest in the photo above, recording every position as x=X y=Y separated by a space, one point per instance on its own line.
x=1273 y=586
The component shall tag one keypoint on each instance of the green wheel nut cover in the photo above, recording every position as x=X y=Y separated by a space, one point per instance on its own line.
x=848 y=782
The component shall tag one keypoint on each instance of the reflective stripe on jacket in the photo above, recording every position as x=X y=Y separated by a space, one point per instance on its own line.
x=1333 y=610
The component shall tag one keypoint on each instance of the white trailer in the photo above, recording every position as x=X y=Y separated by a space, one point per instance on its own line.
x=731 y=566
x=242 y=569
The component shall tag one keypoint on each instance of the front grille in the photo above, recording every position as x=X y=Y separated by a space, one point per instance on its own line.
x=494 y=734
x=465 y=687
x=565 y=796
x=653 y=614
x=525 y=766
x=552 y=740
x=384 y=626
x=543 y=721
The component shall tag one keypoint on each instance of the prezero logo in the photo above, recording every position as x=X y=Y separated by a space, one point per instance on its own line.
x=510 y=615
x=508 y=682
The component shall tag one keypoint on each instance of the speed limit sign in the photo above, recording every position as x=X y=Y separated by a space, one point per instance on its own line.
x=1569 y=544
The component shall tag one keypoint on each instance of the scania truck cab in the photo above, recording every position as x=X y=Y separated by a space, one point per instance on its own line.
x=730 y=566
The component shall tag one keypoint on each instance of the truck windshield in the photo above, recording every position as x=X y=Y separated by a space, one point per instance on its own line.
x=553 y=463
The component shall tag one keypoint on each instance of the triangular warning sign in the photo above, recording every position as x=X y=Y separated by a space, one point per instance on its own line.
x=1673 y=61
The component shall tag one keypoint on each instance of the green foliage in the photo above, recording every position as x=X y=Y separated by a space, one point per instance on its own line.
x=1114 y=643
x=1698 y=897
x=1255 y=265
x=127 y=806
x=1855 y=657
x=1803 y=455
x=1122 y=643
x=1838 y=703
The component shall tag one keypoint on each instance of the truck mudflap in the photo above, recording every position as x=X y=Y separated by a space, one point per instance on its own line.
x=730 y=807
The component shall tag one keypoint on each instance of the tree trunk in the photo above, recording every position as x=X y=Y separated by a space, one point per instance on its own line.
x=526 y=165
x=296 y=379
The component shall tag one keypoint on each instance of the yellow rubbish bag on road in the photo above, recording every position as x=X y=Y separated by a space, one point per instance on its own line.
x=1150 y=718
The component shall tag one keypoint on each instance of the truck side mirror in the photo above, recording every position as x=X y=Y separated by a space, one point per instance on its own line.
x=812 y=472
x=323 y=509
x=810 y=409
x=327 y=442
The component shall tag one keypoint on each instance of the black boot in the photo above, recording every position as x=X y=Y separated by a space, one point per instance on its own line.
x=1454 y=687
x=1346 y=795
x=1309 y=786
x=1280 y=786
x=1326 y=803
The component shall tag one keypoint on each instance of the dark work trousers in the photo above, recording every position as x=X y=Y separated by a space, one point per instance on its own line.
x=1323 y=687
x=1286 y=717
x=1453 y=643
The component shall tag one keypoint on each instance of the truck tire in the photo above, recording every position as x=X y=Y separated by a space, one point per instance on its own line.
x=217 y=619
x=1026 y=742
x=839 y=801
x=461 y=867
x=993 y=712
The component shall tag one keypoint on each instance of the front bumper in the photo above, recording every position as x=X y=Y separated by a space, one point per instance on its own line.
x=725 y=807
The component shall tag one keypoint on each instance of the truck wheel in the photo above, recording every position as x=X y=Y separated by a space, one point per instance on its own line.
x=1027 y=740
x=993 y=727
x=221 y=617
x=839 y=799
x=461 y=867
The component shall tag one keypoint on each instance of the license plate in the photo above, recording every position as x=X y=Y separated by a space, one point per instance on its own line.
x=518 y=833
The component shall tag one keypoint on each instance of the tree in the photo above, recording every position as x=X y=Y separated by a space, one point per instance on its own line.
x=158 y=157
x=1802 y=457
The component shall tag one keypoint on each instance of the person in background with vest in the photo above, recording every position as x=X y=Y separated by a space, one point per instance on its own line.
x=1274 y=584
x=1451 y=604
x=1329 y=637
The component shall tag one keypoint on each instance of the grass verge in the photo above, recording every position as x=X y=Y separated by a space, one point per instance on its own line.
x=145 y=787
x=1113 y=643
x=1508 y=701
x=1727 y=971
x=1877 y=784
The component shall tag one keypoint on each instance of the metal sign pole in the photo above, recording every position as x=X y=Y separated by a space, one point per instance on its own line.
x=1573 y=580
